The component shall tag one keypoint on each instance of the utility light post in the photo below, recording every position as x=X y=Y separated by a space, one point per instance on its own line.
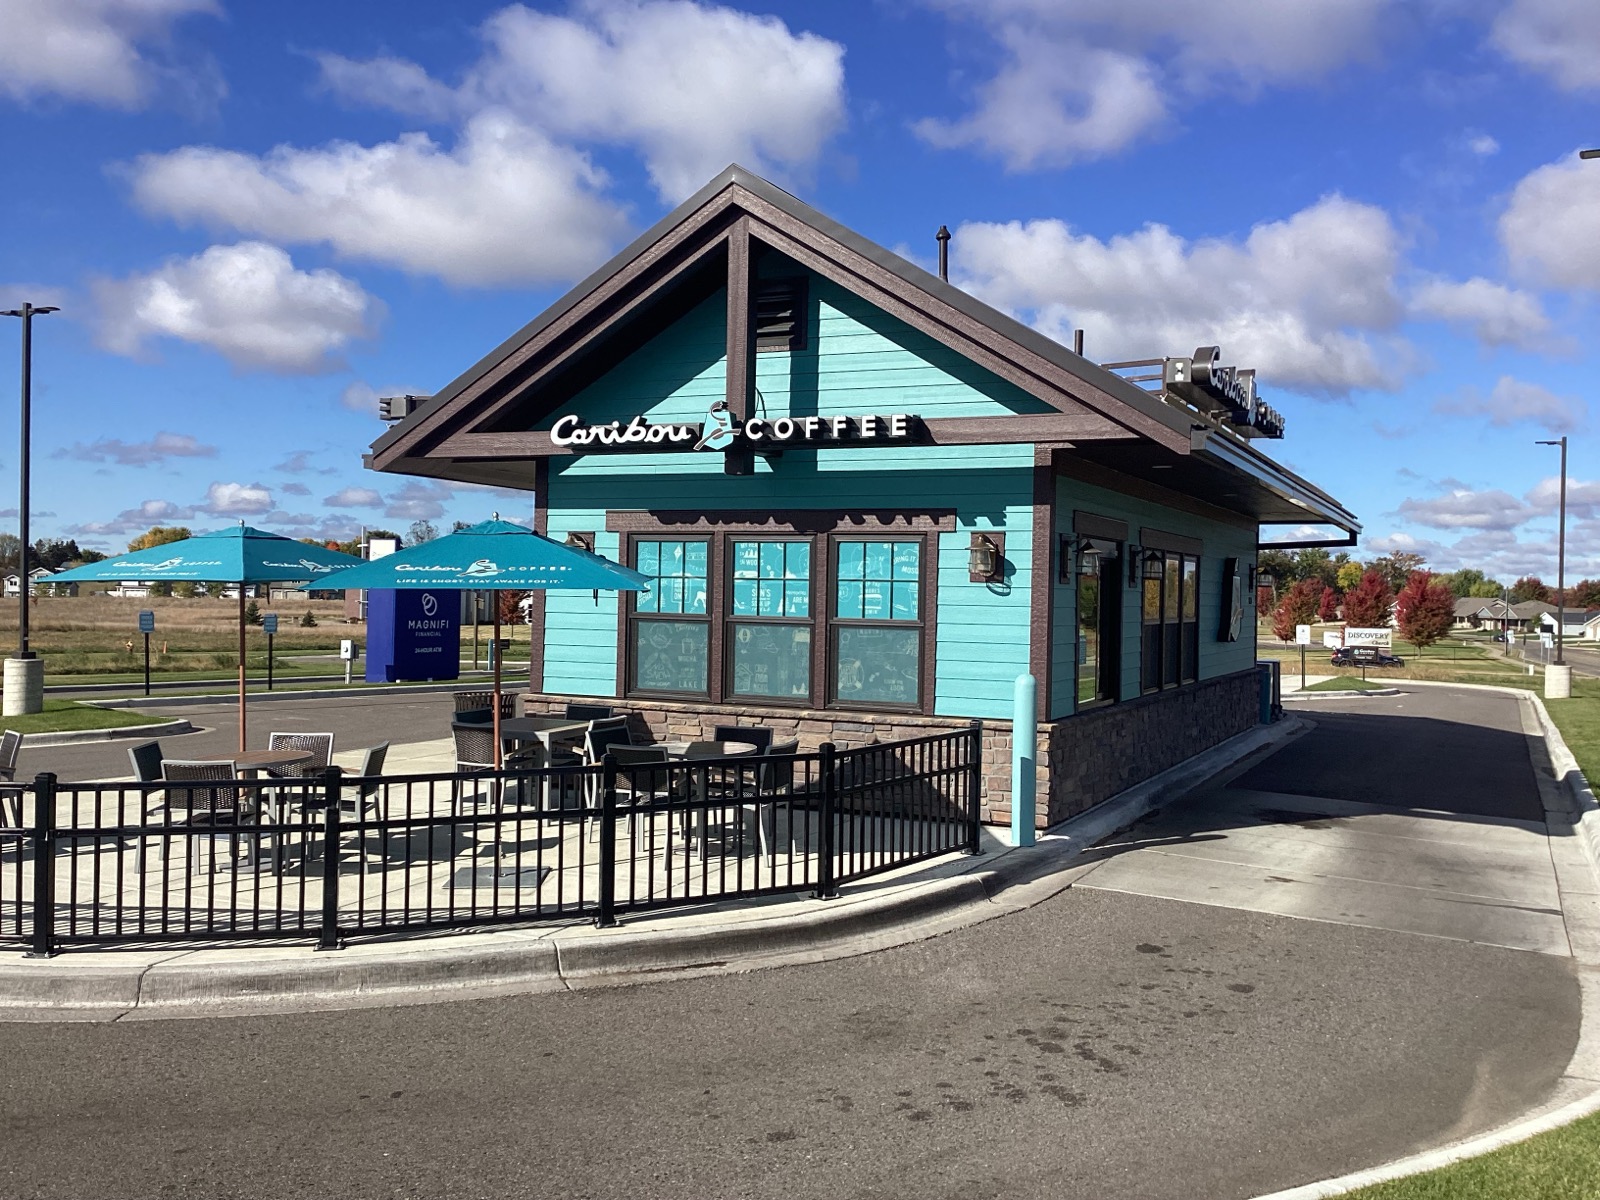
x=1557 y=675
x=24 y=673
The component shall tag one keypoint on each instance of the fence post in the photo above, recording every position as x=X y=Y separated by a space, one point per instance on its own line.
x=975 y=788
x=828 y=768
x=44 y=866
x=608 y=842
x=329 y=938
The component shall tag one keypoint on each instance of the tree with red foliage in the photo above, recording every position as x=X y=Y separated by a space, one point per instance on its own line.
x=1584 y=594
x=1328 y=606
x=1426 y=609
x=1298 y=607
x=1366 y=606
x=1529 y=587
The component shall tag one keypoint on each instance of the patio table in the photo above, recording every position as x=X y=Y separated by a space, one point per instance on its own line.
x=692 y=752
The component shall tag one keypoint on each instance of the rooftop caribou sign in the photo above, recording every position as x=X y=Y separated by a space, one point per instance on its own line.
x=721 y=432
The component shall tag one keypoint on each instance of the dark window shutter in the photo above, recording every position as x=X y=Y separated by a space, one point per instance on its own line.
x=781 y=315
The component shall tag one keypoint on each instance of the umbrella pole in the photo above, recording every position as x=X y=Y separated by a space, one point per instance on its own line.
x=242 y=746
x=497 y=681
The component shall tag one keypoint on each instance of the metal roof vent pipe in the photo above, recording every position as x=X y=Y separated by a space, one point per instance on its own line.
x=1077 y=342
x=944 y=252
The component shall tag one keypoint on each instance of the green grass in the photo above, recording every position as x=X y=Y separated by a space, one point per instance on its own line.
x=1563 y=1164
x=1347 y=683
x=61 y=715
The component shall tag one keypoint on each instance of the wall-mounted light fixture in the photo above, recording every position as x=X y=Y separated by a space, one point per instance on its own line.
x=1153 y=562
x=580 y=540
x=984 y=555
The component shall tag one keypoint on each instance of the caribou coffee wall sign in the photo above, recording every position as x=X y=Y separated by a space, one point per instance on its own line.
x=721 y=432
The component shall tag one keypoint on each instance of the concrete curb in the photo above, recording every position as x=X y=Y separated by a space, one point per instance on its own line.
x=68 y=737
x=1343 y=695
x=113 y=985
x=1569 y=803
x=303 y=694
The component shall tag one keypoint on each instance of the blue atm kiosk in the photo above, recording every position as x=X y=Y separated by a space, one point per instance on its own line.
x=412 y=634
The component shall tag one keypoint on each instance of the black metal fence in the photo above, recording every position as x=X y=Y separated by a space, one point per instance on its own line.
x=334 y=856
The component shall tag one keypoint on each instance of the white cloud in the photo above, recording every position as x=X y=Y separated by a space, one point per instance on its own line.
x=247 y=302
x=135 y=520
x=235 y=499
x=419 y=500
x=294 y=488
x=89 y=50
x=1551 y=226
x=1299 y=299
x=691 y=86
x=13 y=295
x=139 y=454
x=1583 y=496
x=1513 y=402
x=299 y=463
x=359 y=397
x=505 y=205
x=1482 y=145
x=1082 y=80
x=354 y=497
x=1491 y=509
x=1559 y=39
x=1495 y=314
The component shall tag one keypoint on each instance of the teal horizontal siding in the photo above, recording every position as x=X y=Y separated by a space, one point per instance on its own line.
x=1220 y=540
x=580 y=644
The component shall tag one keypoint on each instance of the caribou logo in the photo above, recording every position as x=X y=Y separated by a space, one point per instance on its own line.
x=484 y=566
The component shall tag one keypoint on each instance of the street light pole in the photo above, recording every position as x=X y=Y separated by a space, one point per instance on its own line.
x=1563 y=682
x=22 y=677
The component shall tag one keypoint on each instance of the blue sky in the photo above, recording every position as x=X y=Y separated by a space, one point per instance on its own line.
x=258 y=217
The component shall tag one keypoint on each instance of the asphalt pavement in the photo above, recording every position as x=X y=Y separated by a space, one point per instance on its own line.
x=356 y=720
x=1104 y=1044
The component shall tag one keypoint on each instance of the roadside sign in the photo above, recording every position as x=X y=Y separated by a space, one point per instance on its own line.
x=1302 y=635
x=1378 y=639
x=269 y=624
x=147 y=622
x=1546 y=639
x=1333 y=639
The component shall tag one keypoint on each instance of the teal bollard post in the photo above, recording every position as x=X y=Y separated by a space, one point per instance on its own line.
x=1024 y=753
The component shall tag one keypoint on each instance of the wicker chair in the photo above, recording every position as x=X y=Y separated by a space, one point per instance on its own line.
x=10 y=797
x=212 y=807
x=476 y=701
x=637 y=784
x=320 y=746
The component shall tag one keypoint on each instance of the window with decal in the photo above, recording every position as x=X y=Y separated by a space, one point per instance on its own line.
x=769 y=619
x=669 y=625
x=875 y=625
x=1171 y=607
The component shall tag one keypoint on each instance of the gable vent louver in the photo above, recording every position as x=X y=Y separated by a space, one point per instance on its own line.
x=781 y=315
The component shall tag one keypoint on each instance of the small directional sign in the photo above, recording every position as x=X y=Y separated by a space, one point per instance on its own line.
x=147 y=622
x=269 y=624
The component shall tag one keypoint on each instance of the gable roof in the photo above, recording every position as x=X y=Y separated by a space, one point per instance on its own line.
x=1103 y=417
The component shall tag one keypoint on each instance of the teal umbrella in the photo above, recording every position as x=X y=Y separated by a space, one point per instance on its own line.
x=492 y=556
x=238 y=554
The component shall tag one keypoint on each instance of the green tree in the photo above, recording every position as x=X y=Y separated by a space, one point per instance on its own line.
x=1316 y=563
x=1425 y=609
x=420 y=531
x=1463 y=581
x=1397 y=567
x=214 y=588
x=1487 y=589
x=10 y=552
x=162 y=588
x=252 y=613
x=185 y=589
x=309 y=621
x=1348 y=575
x=1279 y=564
x=158 y=535
x=1366 y=606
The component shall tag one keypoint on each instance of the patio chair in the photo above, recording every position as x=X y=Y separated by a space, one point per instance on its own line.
x=319 y=744
x=145 y=758
x=475 y=701
x=357 y=797
x=637 y=784
x=758 y=735
x=10 y=797
x=589 y=712
x=774 y=779
x=211 y=807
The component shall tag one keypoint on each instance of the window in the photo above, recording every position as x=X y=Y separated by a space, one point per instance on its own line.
x=769 y=620
x=875 y=633
x=1099 y=578
x=1170 y=604
x=669 y=625
x=803 y=620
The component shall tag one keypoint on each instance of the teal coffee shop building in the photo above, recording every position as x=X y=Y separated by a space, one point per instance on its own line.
x=868 y=503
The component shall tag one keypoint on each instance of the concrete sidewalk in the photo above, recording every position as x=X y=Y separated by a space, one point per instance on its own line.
x=906 y=905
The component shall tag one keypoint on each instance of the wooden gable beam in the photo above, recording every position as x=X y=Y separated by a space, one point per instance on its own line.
x=741 y=355
x=968 y=337
x=620 y=296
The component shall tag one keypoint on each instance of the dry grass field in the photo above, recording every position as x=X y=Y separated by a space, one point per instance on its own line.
x=98 y=634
